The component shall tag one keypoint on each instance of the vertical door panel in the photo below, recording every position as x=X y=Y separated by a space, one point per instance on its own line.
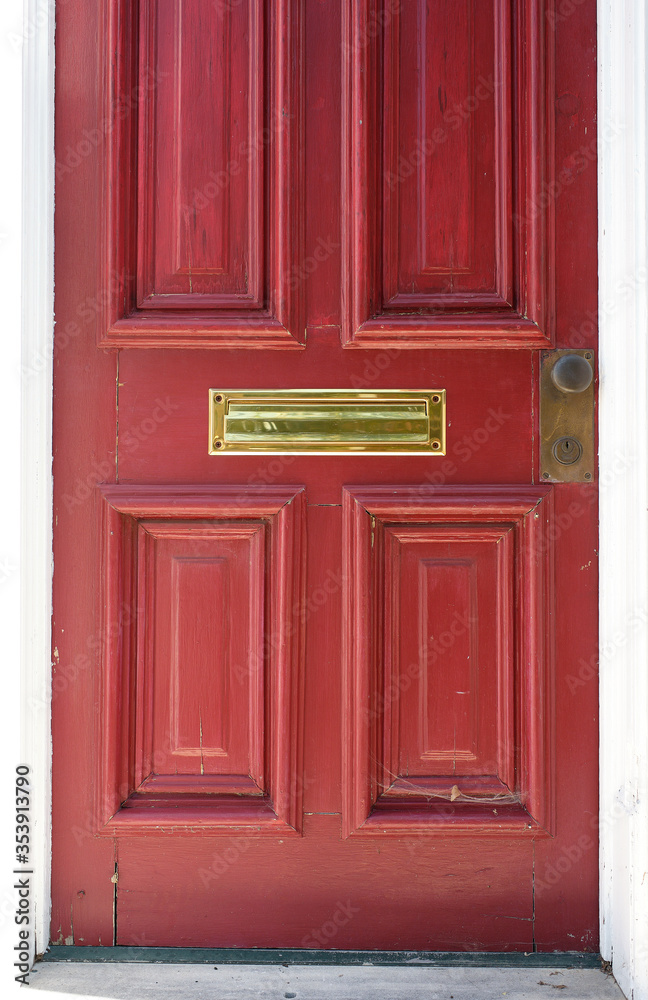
x=208 y=663
x=448 y=143
x=200 y=242
x=201 y=224
x=508 y=736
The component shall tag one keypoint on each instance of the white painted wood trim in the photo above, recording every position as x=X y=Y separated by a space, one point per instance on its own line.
x=623 y=305
x=36 y=435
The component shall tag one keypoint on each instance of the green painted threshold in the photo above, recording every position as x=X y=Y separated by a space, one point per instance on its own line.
x=297 y=956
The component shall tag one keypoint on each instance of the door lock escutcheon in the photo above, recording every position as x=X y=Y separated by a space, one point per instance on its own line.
x=567 y=417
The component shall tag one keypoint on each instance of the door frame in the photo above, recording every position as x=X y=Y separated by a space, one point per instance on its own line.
x=623 y=309
x=623 y=448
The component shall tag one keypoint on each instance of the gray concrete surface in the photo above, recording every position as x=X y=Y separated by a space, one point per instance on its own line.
x=240 y=982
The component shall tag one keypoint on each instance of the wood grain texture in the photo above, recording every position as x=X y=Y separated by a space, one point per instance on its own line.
x=447 y=233
x=212 y=739
x=84 y=453
x=568 y=864
x=513 y=792
x=202 y=242
x=136 y=421
x=353 y=898
x=451 y=713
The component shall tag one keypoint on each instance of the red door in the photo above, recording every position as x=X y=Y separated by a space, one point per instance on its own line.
x=307 y=698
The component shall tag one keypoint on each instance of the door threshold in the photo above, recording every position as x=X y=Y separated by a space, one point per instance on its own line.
x=186 y=979
x=301 y=956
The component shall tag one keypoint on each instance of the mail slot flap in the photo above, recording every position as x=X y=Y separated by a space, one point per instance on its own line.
x=335 y=421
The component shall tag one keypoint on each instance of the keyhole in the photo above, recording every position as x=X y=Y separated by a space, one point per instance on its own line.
x=567 y=450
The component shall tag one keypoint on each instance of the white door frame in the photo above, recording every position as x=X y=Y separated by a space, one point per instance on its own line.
x=623 y=450
x=623 y=50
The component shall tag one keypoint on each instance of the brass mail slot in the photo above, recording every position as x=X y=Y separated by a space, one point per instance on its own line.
x=335 y=421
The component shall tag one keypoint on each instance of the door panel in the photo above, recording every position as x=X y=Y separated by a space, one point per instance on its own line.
x=200 y=697
x=448 y=144
x=202 y=114
x=321 y=701
x=201 y=242
x=504 y=541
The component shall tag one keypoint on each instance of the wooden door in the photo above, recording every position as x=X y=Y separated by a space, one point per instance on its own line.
x=322 y=700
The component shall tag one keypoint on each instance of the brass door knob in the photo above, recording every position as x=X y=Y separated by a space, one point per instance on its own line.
x=572 y=373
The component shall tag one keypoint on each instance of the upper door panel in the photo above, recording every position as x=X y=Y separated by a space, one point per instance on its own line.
x=447 y=150
x=448 y=227
x=202 y=238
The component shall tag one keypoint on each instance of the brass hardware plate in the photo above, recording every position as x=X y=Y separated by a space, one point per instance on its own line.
x=566 y=427
x=335 y=421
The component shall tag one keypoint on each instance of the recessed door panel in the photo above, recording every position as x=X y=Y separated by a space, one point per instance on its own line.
x=203 y=224
x=449 y=716
x=210 y=676
x=447 y=235
x=198 y=665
